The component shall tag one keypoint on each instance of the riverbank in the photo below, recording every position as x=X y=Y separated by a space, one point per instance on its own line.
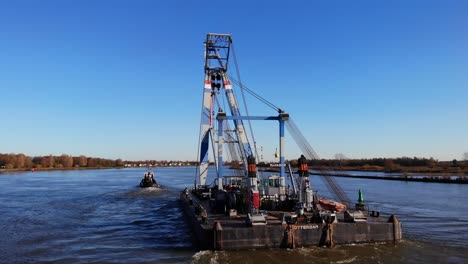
x=437 y=171
x=442 y=177
x=59 y=169
x=437 y=179
x=399 y=169
x=81 y=168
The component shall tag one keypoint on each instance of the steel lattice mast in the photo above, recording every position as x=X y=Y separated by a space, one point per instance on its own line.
x=217 y=51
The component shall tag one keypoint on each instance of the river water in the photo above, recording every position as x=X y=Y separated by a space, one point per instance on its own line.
x=101 y=216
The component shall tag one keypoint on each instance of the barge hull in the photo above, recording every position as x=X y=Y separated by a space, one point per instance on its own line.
x=221 y=232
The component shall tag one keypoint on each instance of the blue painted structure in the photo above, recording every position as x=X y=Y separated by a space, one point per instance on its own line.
x=282 y=117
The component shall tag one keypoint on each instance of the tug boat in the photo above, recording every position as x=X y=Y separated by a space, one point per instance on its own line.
x=148 y=180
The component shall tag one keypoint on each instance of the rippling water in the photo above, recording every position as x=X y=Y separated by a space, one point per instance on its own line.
x=100 y=216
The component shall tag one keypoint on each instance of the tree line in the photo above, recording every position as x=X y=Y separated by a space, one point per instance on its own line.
x=385 y=164
x=402 y=161
x=21 y=161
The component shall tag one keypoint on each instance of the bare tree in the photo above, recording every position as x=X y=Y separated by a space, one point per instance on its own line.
x=119 y=163
x=92 y=162
x=28 y=163
x=66 y=160
x=465 y=156
x=389 y=165
x=340 y=157
x=83 y=161
x=51 y=161
x=20 y=160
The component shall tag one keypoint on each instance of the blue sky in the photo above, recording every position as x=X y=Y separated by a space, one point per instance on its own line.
x=124 y=79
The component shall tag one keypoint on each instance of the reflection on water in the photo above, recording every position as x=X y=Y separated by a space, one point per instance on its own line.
x=102 y=216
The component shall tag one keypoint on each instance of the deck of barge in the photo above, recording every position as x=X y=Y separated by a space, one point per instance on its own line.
x=222 y=232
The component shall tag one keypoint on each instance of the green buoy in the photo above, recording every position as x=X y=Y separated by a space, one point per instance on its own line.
x=361 y=197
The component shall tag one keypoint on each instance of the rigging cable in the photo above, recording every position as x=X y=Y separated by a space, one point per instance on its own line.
x=310 y=154
x=243 y=100
x=300 y=140
x=260 y=98
x=233 y=152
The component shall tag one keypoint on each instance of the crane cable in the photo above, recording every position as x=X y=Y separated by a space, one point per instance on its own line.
x=310 y=154
x=243 y=100
x=300 y=140
x=260 y=98
x=233 y=153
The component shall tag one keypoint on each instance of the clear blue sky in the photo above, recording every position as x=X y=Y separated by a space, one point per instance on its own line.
x=124 y=79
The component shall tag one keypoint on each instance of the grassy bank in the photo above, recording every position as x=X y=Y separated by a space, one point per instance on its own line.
x=400 y=169
x=437 y=179
x=59 y=169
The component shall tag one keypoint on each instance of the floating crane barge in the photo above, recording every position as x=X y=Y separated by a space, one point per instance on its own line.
x=248 y=210
x=218 y=231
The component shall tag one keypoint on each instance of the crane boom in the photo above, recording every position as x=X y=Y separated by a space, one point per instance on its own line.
x=217 y=50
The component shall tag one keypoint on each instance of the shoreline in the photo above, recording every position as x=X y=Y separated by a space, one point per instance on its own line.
x=84 y=168
x=438 y=172
x=58 y=169
x=430 y=179
x=442 y=177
